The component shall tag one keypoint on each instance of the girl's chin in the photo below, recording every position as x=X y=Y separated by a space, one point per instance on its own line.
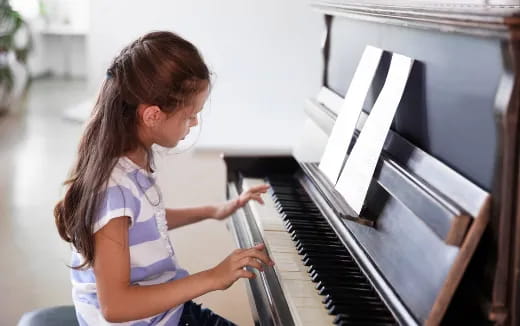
x=172 y=144
x=168 y=145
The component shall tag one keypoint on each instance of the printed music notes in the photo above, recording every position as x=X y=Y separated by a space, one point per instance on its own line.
x=343 y=130
x=355 y=177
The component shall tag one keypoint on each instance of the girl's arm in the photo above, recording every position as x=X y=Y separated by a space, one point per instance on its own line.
x=184 y=216
x=121 y=301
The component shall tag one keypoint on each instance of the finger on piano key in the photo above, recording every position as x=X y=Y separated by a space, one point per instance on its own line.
x=266 y=215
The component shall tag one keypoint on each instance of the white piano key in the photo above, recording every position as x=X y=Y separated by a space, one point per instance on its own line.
x=279 y=242
x=315 y=316
x=294 y=275
x=306 y=302
x=287 y=262
x=301 y=289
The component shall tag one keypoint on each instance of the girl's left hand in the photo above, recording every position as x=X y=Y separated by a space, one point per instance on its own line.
x=229 y=207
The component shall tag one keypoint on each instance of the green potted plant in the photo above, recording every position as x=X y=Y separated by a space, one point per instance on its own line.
x=12 y=25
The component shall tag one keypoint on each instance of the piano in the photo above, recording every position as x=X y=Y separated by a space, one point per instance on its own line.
x=439 y=240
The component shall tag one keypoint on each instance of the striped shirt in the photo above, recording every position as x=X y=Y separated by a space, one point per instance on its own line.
x=132 y=192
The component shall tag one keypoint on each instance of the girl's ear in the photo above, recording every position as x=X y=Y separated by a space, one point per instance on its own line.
x=150 y=115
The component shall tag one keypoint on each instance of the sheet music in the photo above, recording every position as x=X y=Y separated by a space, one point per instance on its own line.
x=345 y=125
x=355 y=179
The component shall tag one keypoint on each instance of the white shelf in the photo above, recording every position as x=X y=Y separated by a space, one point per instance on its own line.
x=63 y=31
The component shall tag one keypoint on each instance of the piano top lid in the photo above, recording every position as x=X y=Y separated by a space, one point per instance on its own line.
x=467 y=16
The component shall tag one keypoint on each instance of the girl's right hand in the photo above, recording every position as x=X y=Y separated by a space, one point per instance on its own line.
x=232 y=268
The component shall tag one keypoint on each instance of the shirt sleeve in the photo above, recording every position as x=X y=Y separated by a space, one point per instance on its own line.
x=117 y=200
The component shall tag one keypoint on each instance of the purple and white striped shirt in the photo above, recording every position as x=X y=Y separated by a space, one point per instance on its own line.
x=133 y=192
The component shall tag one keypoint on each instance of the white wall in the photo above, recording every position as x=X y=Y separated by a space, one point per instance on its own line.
x=61 y=55
x=58 y=30
x=265 y=54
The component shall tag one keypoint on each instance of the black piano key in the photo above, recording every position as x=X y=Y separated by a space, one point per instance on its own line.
x=335 y=291
x=361 y=312
x=328 y=249
x=339 y=269
x=293 y=217
x=341 y=258
x=316 y=232
x=350 y=281
x=309 y=225
x=296 y=199
x=351 y=320
x=295 y=211
x=363 y=323
x=293 y=196
x=309 y=222
x=360 y=308
x=308 y=232
x=349 y=297
x=324 y=248
x=287 y=207
x=302 y=221
x=329 y=256
x=313 y=239
x=309 y=260
x=337 y=273
x=345 y=278
x=332 y=288
x=340 y=272
x=306 y=244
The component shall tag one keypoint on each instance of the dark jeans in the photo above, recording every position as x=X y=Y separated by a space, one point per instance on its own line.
x=194 y=315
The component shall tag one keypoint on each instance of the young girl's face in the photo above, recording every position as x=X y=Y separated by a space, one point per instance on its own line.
x=174 y=127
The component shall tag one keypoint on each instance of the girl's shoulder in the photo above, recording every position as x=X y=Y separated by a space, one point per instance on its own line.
x=121 y=197
x=124 y=174
x=128 y=174
x=120 y=173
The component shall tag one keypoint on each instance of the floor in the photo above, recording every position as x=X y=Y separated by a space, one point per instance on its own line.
x=37 y=147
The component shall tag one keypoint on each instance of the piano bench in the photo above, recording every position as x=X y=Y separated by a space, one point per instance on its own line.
x=56 y=316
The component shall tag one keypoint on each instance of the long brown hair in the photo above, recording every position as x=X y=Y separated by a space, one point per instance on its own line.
x=159 y=68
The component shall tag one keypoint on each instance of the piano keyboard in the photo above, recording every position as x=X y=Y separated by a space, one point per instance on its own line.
x=320 y=280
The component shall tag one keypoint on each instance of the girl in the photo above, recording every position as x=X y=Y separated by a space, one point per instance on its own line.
x=124 y=268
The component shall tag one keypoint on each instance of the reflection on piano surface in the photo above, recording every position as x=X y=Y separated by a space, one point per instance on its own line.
x=438 y=241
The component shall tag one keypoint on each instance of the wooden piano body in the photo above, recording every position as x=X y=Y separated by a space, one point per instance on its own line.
x=444 y=246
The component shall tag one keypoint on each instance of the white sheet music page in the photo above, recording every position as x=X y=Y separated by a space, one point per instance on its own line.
x=343 y=129
x=357 y=174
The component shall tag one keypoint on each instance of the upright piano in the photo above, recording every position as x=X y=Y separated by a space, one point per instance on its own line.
x=439 y=237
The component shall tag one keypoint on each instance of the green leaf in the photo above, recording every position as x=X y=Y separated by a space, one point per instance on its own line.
x=6 y=77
